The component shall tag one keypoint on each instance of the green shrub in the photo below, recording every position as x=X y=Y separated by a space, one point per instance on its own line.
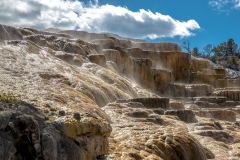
x=10 y=98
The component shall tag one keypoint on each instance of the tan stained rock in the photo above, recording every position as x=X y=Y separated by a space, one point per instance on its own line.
x=176 y=105
x=226 y=115
x=102 y=96
x=229 y=93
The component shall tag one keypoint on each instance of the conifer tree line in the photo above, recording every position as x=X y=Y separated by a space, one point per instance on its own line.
x=227 y=54
x=229 y=48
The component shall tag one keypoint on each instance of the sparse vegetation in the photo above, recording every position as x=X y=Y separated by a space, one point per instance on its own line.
x=10 y=98
x=226 y=54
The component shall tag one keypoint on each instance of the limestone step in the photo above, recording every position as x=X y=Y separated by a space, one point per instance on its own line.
x=187 y=116
x=177 y=105
x=228 y=88
x=211 y=99
x=99 y=59
x=205 y=104
x=188 y=90
x=215 y=102
x=149 y=102
x=220 y=114
x=223 y=83
x=233 y=94
x=218 y=135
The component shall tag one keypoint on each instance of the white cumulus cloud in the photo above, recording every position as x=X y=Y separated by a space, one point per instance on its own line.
x=221 y=4
x=237 y=3
x=66 y=14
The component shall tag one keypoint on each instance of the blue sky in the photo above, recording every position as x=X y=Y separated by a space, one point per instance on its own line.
x=217 y=24
x=199 y=21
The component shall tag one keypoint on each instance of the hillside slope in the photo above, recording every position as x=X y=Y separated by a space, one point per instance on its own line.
x=100 y=96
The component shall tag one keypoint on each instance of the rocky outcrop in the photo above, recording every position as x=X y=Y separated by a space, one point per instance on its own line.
x=63 y=44
x=176 y=62
x=13 y=33
x=30 y=134
x=140 y=69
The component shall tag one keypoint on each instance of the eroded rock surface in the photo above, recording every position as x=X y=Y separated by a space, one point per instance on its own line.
x=101 y=96
x=148 y=135
x=28 y=133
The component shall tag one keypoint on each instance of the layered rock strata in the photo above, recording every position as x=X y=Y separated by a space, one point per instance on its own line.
x=101 y=96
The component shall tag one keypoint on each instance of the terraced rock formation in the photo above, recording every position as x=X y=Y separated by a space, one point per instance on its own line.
x=101 y=96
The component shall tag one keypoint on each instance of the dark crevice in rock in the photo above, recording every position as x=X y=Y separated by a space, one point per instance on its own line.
x=25 y=149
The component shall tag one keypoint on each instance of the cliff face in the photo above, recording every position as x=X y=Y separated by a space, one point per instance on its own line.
x=176 y=62
x=100 y=96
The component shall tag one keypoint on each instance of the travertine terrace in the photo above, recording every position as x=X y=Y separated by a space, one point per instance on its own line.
x=100 y=96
